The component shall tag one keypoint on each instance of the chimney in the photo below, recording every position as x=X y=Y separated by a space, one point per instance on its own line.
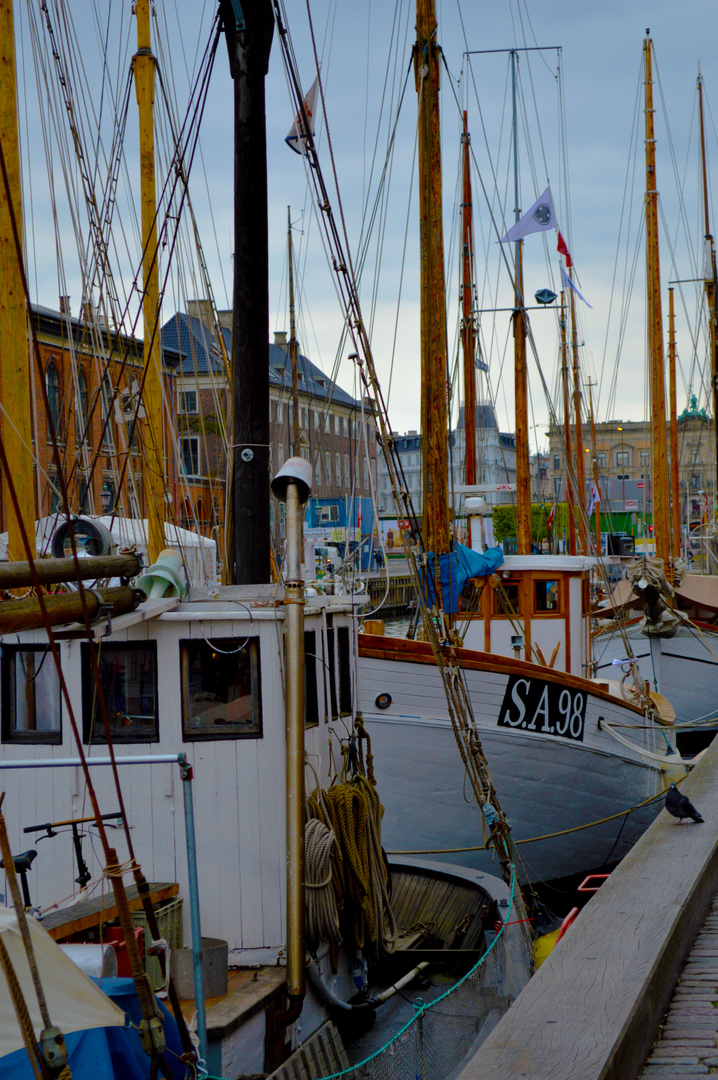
x=280 y=339
x=64 y=305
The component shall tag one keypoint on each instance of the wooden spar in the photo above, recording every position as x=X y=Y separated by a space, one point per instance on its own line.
x=655 y=330
x=580 y=468
x=568 y=442
x=711 y=277
x=15 y=420
x=19 y=575
x=434 y=406
x=468 y=325
x=16 y=615
x=293 y=345
x=596 y=477
x=248 y=29
x=523 y=476
x=143 y=63
x=675 y=487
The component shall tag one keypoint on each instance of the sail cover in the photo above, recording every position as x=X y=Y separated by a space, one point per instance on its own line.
x=457 y=567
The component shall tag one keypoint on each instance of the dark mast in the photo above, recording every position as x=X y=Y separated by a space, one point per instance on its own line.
x=248 y=28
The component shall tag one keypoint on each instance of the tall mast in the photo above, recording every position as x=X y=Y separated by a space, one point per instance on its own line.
x=596 y=477
x=293 y=346
x=580 y=470
x=568 y=442
x=144 y=70
x=468 y=325
x=248 y=29
x=675 y=487
x=434 y=408
x=15 y=419
x=655 y=330
x=709 y=271
x=523 y=476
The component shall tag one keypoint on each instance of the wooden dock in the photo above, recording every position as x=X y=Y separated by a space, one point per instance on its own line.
x=595 y=1007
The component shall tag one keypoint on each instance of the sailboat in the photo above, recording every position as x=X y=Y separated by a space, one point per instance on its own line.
x=578 y=763
x=204 y=705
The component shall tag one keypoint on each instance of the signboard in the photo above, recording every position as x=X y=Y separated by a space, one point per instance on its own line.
x=639 y=485
x=544 y=707
x=630 y=504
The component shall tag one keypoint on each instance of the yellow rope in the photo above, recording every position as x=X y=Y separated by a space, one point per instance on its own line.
x=534 y=839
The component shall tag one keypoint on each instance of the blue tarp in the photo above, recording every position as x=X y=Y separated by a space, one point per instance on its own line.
x=111 y=1053
x=457 y=567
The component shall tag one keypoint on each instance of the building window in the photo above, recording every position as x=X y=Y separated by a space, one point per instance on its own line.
x=623 y=457
x=187 y=401
x=557 y=462
x=106 y=408
x=345 y=427
x=337 y=424
x=221 y=696
x=346 y=469
x=645 y=457
x=338 y=469
x=54 y=404
x=31 y=699
x=327 y=423
x=601 y=459
x=128 y=676
x=81 y=409
x=695 y=481
x=695 y=457
x=328 y=468
x=189 y=448
x=316 y=419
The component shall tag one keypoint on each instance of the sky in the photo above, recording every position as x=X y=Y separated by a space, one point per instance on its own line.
x=580 y=130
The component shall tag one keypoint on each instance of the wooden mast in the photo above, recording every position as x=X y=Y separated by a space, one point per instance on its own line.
x=434 y=407
x=580 y=468
x=248 y=29
x=468 y=324
x=709 y=271
x=568 y=442
x=15 y=419
x=675 y=488
x=655 y=330
x=293 y=345
x=596 y=476
x=523 y=476
x=144 y=70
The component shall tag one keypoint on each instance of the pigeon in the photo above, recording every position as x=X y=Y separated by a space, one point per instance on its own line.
x=680 y=806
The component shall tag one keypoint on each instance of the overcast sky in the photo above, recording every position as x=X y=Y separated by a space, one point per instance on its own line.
x=578 y=133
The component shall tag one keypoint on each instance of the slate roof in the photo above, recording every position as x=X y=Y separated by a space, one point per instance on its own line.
x=201 y=355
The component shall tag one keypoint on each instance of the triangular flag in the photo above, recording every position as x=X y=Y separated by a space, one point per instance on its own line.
x=539 y=218
x=297 y=138
x=563 y=250
x=568 y=284
x=552 y=515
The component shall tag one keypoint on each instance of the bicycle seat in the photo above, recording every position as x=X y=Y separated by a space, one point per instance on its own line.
x=22 y=862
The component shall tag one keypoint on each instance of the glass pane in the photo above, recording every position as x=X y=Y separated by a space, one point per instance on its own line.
x=546 y=595
x=220 y=688
x=128 y=675
x=34 y=695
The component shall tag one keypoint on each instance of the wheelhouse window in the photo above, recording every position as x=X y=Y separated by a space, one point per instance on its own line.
x=221 y=696
x=128 y=676
x=31 y=697
x=506 y=599
x=547 y=596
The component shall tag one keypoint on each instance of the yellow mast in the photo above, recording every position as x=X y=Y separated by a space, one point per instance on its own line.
x=567 y=431
x=434 y=407
x=15 y=420
x=144 y=70
x=595 y=473
x=675 y=489
x=709 y=271
x=655 y=330
x=580 y=470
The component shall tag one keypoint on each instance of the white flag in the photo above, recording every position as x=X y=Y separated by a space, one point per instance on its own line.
x=539 y=218
x=568 y=284
x=594 y=499
x=297 y=137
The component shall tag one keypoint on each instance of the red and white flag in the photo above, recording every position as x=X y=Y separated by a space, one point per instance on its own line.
x=562 y=249
x=297 y=139
x=552 y=515
x=539 y=218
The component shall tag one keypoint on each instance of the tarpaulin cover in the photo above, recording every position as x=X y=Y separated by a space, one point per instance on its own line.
x=457 y=567
x=110 y=1053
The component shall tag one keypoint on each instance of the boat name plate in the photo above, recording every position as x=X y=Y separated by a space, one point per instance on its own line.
x=543 y=707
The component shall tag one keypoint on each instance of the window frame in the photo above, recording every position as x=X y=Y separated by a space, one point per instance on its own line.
x=498 y=611
x=8 y=666
x=95 y=731
x=229 y=731
x=182 y=396
x=186 y=440
x=540 y=612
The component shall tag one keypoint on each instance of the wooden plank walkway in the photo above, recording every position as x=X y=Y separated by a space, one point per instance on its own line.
x=687 y=1044
x=593 y=1009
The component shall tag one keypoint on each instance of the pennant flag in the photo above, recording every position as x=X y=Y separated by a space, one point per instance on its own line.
x=563 y=249
x=594 y=499
x=539 y=218
x=297 y=137
x=568 y=284
x=552 y=515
